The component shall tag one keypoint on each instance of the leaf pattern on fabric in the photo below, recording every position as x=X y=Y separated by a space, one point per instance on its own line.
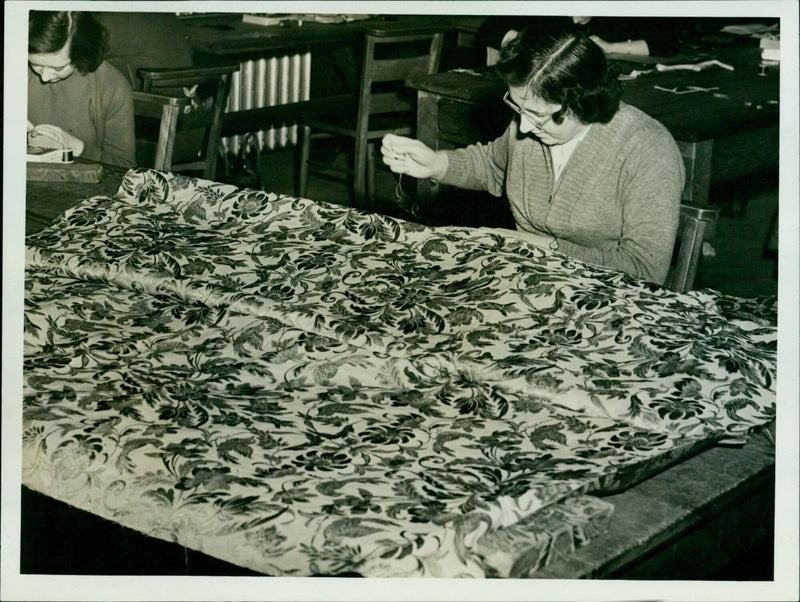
x=302 y=388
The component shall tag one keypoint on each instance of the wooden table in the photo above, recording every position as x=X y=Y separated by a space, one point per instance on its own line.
x=217 y=38
x=693 y=520
x=707 y=517
x=723 y=133
x=228 y=35
x=45 y=201
x=687 y=522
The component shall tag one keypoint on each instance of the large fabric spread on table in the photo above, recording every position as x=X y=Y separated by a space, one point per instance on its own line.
x=301 y=388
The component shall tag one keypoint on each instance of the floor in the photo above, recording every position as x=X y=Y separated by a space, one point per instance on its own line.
x=738 y=263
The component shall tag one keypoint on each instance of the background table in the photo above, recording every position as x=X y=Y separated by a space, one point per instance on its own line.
x=727 y=132
x=336 y=56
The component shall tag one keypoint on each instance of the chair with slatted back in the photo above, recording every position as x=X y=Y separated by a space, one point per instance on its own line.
x=162 y=117
x=385 y=104
x=693 y=227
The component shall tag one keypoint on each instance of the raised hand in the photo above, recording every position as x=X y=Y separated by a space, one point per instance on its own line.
x=408 y=156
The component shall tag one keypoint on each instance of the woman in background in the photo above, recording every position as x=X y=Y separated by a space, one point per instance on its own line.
x=635 y=36
x=76 y=100
x=585 y=174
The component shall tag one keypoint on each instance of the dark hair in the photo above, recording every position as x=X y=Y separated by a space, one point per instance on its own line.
x=50 y=31
x=570 y=70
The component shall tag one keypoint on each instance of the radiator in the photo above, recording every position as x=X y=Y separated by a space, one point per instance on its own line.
x=266 y=82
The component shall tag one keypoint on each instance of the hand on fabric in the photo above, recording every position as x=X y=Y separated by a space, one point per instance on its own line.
x=408 y=156
x=52 y=136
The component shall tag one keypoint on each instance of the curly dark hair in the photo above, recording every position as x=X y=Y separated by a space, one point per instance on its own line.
x=570 y=70
x=50 y=31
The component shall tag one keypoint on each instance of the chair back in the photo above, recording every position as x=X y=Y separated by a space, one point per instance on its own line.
x=198 y=115
x=391 y=55
x=694 y=223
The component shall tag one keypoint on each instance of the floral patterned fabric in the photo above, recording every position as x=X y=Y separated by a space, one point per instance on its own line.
x=301 y=388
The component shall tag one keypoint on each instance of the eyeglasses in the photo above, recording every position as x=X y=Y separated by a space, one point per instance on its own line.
x=535 y=118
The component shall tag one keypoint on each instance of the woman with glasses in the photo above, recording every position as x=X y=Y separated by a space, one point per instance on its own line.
x=585 y=174
x=76 y=100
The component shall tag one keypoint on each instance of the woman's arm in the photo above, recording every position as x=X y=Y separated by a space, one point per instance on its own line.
x=480 y=166
x=653 y=36
x=632 y=47
x=476 y=167
x=118 y=145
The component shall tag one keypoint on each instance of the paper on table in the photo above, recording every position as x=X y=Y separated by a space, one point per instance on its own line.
x=695 y=66
x=278 y=19
x=685 y=89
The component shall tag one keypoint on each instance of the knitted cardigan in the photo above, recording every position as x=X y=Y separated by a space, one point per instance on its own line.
x=616 y=203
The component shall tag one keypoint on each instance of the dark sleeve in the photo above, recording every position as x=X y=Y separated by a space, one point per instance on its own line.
x=492 y=30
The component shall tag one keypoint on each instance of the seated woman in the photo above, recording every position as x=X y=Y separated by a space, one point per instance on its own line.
x=75 y=99
x=585 y=174
x=642 y=36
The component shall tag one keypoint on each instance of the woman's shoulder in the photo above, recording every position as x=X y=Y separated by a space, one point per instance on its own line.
x=635 y=116
x=632 y=132
x=632 y=123
x=644 y=137
x=110 y=75
x=113 y=87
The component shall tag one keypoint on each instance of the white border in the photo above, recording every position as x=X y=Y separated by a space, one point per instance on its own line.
x=25 y=587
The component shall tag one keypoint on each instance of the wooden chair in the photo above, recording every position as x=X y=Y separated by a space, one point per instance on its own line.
x=695 y=222
x=161 y=118
x=385 y=105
